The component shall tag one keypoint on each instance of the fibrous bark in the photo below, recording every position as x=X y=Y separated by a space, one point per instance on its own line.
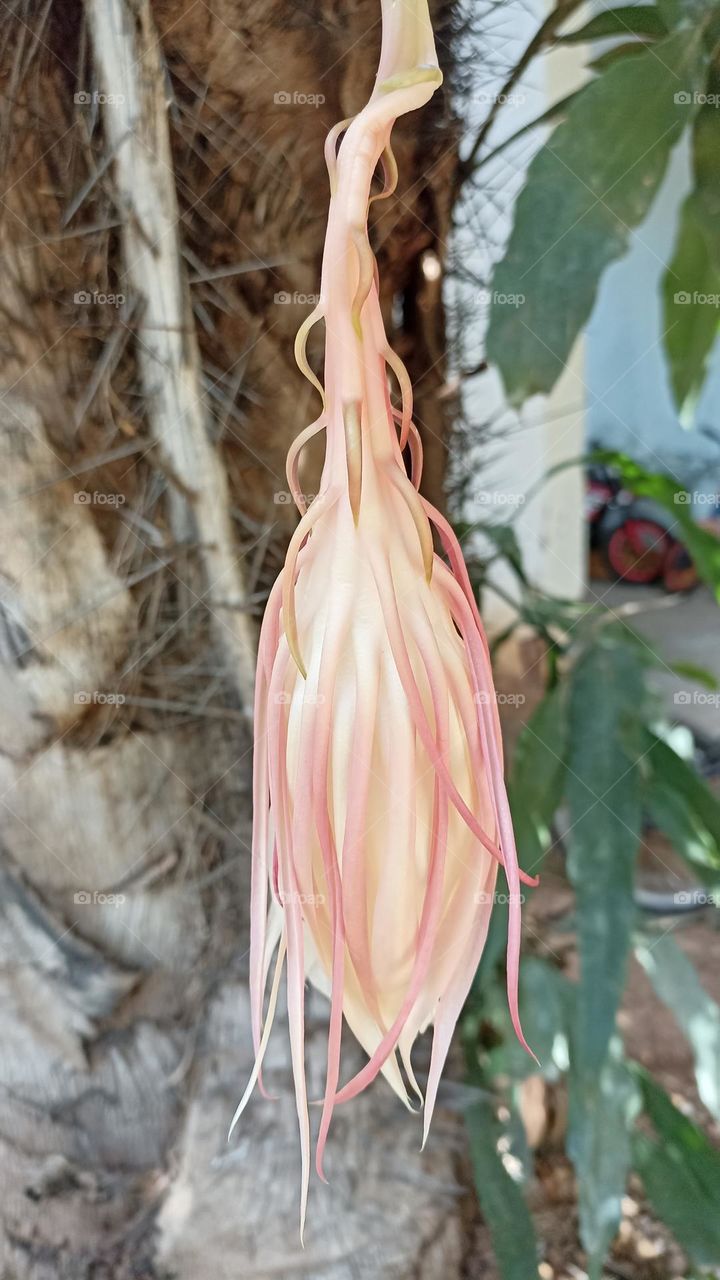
x=139 y=533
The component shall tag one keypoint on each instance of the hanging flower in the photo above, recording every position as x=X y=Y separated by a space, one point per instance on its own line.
x=380 y=813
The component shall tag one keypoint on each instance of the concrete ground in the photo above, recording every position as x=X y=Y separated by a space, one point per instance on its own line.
x=681 y=628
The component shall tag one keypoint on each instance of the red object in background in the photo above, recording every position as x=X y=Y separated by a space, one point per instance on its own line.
x=630 y=540
x=638 y=550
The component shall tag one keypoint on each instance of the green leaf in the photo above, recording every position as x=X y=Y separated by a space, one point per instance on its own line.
x=677 y=13
x=639 y=20
x=493 y=954
x=691 y=326
x=558 y=109
x=706 y=178
x=602 y=1108
x=586 y=188
x=545 y=613
x=691 y=300
x=681 y=1174
x=630 y=49
x=603 y=789
x=531 y=834
x=538 y=771
x=699 y=675
x=676 y=982
x=505 y=541
x=501 y=1200
x=672 y=814
x=536 y=781
x=546 y=1011
x=681 y=804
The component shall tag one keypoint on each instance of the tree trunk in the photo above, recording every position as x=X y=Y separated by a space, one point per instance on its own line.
x=149 y=397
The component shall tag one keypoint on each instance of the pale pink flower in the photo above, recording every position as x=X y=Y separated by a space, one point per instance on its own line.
x=380 y=813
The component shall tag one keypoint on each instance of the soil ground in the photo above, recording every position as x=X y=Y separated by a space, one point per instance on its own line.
x=644 y=1249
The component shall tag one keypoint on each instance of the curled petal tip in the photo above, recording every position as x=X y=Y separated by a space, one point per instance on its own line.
x=233 y=1122
x=517 y=1028
x=241 y=1106
x=531 y=1052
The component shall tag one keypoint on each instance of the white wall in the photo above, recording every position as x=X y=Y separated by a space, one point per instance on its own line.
x=548 y=430
x=629 y=403
x=615 y=389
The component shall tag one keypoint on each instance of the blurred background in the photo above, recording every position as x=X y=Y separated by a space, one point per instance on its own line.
x=550 y=274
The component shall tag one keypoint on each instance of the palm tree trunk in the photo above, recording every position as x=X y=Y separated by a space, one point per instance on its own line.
x=165 y=197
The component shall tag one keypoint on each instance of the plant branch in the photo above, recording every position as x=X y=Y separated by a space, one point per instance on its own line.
x=544 y=35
